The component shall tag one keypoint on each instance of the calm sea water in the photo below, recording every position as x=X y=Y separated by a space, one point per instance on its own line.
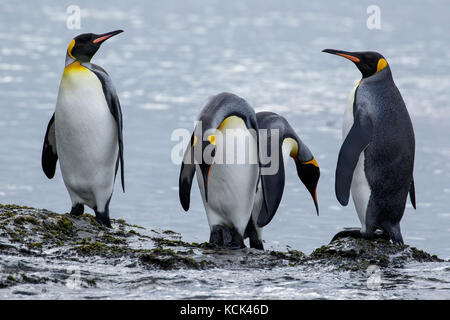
x=174 y=55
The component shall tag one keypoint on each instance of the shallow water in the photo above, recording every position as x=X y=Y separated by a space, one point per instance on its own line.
x=422 y=281
x=175 y=54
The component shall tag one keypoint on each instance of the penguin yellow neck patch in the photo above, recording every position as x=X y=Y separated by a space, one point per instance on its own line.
x=382 y=63
x=232 y=122
x=70 y=47
x=74 y=67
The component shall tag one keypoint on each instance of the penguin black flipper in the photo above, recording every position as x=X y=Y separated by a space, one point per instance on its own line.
x=114 y=106
x=187 y=173
x=307 y=168
x=49 y=154
x=356 y=142
x=412 y=194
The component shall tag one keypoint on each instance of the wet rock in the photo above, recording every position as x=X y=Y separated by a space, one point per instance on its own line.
x=60 y=239
x=359 y=254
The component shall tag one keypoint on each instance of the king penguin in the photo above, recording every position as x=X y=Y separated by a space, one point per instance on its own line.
x=275 y=130
x=376 y=159
x=227 y=185
x=85 y=131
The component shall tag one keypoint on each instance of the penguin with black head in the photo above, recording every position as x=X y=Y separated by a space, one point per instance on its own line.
x=282 y=143
x=376 y=159
x=85 y=131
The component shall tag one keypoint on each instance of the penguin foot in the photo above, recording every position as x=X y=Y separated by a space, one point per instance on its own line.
x=252 y=234
x=223 y=236
x=348 y=232
x=77 y=210
x=256 y=244
x=356 y=233
x=216 y=236
x=233 y=240
x=103 y=219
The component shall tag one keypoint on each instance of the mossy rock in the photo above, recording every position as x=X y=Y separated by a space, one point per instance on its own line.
x=42 y=233
x=358 y=254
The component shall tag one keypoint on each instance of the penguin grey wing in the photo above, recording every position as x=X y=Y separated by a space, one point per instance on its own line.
x=114 y=106
x=356 y=142
x=187 y=173
x=49 y=154
x=271 y=182
x=412 y=193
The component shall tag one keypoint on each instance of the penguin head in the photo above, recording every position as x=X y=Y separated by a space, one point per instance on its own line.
x=84 y=46
x=204 y=143
x=368 y=62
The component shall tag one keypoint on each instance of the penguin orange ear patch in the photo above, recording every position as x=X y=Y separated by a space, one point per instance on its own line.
x=212 y=139
x=349 y=57
x=69 y=49
x=382 y=63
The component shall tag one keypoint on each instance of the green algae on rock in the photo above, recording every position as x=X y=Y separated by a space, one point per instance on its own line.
x=358 y=254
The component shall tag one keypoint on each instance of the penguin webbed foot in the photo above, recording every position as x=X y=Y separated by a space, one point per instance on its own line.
x=103 y=219
x=393 y=233
x=354 y=233
x=77 y=210
x=250 y=232
x=256 y=244
x=223 y=236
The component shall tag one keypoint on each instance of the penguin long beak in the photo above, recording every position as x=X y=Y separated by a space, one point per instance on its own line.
x=314 y=196
x=103 y=37
x=348 y=55
x=309 y=174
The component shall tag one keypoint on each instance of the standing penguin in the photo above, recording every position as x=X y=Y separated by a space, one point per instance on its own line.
x=227 y=187
x=85 y=131
x=288 y=145
x=376 y=159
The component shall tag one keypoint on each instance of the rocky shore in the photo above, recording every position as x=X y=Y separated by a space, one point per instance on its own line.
x=61 y=238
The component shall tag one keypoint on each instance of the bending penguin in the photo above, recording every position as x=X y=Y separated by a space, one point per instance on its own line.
x=236 y=201
x=288 y=145
x=227 y=185
x=85 y=131
x=376 y=159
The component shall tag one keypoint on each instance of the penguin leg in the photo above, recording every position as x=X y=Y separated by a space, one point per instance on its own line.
x=394 y=232
x=102 y=217
x=232 y=239
x=216 y=236
x=77 y=210
x=250 y=232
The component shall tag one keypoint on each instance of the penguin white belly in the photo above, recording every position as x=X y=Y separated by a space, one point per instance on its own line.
x=231 y=186
x=360 y=188
x=86 y=138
